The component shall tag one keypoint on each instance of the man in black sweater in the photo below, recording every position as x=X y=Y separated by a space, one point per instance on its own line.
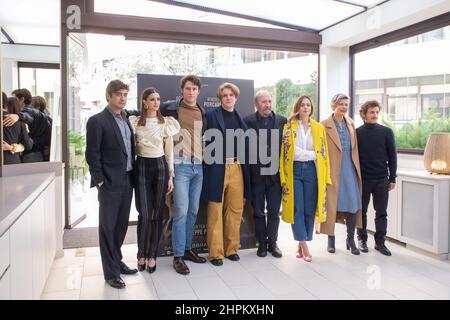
x=378 y=158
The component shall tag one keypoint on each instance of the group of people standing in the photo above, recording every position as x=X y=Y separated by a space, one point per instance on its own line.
x=162 y=150
x=27 y=140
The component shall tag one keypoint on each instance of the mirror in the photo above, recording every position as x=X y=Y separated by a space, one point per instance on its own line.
x=33 y=91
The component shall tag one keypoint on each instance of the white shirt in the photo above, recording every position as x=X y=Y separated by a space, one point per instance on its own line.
x=155 y=139
x=304 y=145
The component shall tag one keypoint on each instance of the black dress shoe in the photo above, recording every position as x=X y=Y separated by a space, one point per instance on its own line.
x=151 y=269
x=193 y=256
x=117 y=283
x=217 y=262
x=180 y=266
x=363 y=246
x=124 y=269
x=262 y=250
x=275 y=251
x=383 y=250
x=331 y=244
x=141 y=267
x=233 y=257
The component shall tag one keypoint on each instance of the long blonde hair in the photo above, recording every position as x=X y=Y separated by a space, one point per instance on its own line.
x=295 y=113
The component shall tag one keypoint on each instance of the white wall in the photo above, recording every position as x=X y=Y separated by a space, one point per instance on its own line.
x=390 y=16
x=334 y=76
x=13 y=53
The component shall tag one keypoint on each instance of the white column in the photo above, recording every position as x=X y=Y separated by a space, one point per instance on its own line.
x=334 y=76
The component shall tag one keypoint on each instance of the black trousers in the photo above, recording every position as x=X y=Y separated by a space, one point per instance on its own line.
x=114 y=212
x=379 y=190
x=266 y=225
x=151 y=187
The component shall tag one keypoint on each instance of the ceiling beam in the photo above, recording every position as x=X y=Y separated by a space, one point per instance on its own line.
x=7 y=36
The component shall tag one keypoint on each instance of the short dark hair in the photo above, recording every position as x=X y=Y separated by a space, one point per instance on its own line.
x=190 y=77
x=12 y=105
x=368 y=105
x=115 y=86
x=4 y=98
x=23 y=93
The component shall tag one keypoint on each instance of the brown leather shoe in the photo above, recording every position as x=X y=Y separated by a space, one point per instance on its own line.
x=180 y=266
x=193 y=256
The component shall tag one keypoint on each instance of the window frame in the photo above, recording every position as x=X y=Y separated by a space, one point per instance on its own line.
x=434 y=23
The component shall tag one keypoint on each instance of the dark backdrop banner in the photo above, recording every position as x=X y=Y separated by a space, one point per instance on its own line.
x=169 y=89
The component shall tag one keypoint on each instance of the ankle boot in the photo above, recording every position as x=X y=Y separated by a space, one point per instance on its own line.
x=352 y=246
x=350 y=222
x=331 y=248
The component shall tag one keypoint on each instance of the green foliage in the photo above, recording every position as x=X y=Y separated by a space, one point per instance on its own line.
x=78 y=140
x=78 y=164
x=285 y=92
x=414 y=135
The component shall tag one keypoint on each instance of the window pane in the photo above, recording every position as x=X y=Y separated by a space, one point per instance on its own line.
x=96 y=59
x=410 y=77
x=145 y=8
x=314 y=14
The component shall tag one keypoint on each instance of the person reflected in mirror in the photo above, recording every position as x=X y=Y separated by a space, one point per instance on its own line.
x=38 y=124
x=15 y=137
x=39 y=103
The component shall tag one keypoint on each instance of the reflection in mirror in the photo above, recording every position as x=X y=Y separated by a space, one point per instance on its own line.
x=28 y=113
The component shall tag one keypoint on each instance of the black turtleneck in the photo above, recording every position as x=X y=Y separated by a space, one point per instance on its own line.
x=231 y=122
x=377 y=154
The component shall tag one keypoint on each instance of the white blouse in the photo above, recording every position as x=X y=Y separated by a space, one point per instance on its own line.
x=304 y=145
x=155 y=140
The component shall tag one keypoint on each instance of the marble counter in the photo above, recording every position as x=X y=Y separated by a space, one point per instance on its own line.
x=18 y=193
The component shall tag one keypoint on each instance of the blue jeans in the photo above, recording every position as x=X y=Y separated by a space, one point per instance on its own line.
x=305 y=200
x=186 y=197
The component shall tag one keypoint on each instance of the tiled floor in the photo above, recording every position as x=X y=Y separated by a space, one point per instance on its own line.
x=404 y=275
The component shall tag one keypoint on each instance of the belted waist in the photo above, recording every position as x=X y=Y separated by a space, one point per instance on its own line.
x=233 y=160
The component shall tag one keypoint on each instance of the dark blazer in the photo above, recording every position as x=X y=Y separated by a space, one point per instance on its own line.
x=105 y=150
x=255 y=169
x=17 y=133
x=40 y=127
x=214 y=174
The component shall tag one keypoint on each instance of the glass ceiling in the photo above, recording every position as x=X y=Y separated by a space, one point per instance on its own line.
x=311 y=14
x=154 y=9
x=294 y=14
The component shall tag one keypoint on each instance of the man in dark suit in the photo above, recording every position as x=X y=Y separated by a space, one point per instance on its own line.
x=110 y=155
x=266 y=187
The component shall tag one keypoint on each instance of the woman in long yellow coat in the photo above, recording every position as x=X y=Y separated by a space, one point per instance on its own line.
x=304 y=174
